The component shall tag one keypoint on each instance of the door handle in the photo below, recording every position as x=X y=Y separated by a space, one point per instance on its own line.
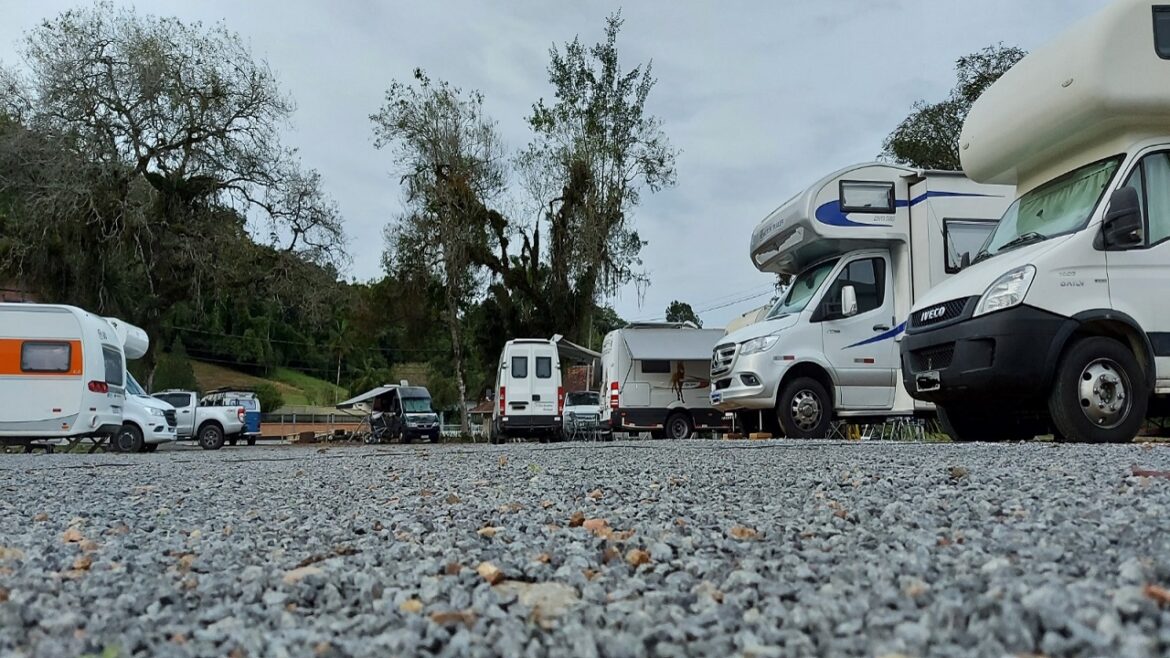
x=832 y=331
x=881 y=327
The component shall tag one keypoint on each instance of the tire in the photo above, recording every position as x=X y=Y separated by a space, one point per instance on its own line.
x=149 y=447
x=251 y=440
x=804 y=409
x=679 y=426
x=210 y=437
x=127 y=439
x=1099 y=394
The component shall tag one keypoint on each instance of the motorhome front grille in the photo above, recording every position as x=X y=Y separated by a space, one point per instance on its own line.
x=939 y=313
x=722 y=359
x=932 y=358
x=172 y=420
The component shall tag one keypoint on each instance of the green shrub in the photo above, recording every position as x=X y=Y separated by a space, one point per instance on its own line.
x=269 y=396
x=174 y=370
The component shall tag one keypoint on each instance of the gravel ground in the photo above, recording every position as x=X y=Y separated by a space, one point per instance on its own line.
x=651 y=548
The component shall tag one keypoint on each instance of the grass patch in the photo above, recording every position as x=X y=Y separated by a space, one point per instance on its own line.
x=297 y=389
x=317 y=392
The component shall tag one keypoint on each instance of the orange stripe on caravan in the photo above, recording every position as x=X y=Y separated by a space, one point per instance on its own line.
x=10 y=358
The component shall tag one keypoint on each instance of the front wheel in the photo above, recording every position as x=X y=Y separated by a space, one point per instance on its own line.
x=679 y=426
x=804 y=409
x=1099 y=394
x=210 y=437
x=128 y=439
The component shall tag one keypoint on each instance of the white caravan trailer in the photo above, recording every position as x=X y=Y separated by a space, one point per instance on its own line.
x=62 y=374
x=861 y=244
x=1062 y=322
x=657 y=379
x=529 y=393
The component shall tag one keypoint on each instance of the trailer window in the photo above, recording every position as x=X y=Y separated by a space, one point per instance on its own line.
x=1162 y=31
x=114 y=365
x=867 y=196
x=655 y=367
x=544 y=367
x=45 y=356
x=519 y=367
x=963 y=236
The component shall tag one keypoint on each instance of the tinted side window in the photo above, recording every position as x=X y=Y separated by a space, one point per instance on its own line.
x=1151 y=179
x=113 y=361
x=1162 y=31
x=519 y=367
x=867 y=196
x=651 y=367
x=543 y=367
x=868 y=278
x=45 y=356
x=175 y=400
x=963 y=236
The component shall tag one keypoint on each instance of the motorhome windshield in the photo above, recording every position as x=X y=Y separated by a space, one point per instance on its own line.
x=802 y=289
x=416 y=405
x=1060 y=206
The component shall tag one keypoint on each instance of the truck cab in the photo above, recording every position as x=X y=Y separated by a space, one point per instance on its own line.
x=859 y=245
x=1060 y=326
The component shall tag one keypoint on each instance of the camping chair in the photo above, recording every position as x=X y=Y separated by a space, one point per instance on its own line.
x=583 y=426
x=379 y=427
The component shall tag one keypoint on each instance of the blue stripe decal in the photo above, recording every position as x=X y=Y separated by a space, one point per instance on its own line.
x=830 y=213
x=880 y=337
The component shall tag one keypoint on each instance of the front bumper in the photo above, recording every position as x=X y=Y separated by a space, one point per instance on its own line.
x=159 y=432
x=1006 y=355
x=514 y=424
x=751 y=382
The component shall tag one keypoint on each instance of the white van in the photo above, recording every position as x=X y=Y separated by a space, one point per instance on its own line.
x=62 y=374
x=1062 y=323
x=861 y=244
x=529 y=395
x=147 y=422
x=657 y=376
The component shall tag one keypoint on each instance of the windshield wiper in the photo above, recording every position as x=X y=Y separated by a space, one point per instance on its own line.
x=983 y=253
x=1022 y=239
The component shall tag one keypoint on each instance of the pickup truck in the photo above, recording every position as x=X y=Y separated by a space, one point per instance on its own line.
x=207 y=424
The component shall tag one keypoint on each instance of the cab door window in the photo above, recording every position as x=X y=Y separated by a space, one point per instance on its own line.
x=1151 y=179
x=868 y=278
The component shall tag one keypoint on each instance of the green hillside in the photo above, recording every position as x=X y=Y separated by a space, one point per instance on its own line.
x=298 y=389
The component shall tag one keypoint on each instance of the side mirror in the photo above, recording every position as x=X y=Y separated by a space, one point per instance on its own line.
x=848 y=301
x=1123 y=221
x=965 y=260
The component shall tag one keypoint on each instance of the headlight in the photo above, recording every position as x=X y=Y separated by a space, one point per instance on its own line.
x=761 y=344
x=156 y=412
x=1007 y=291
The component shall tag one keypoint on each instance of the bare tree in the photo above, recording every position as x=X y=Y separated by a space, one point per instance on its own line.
x=451 y=161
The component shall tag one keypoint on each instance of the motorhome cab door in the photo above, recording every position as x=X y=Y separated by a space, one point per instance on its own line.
x=860 y=346
x=1136 y=271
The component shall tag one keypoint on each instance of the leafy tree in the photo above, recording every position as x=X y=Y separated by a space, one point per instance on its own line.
x=174 y=370
x=147 y=161
x=451 y=160
x=929 y=137
x=596 y=149
x=678 y=311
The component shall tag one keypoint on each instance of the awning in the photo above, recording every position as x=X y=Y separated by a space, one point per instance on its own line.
x=365 y=397
x=574 y=352
x=672 y=344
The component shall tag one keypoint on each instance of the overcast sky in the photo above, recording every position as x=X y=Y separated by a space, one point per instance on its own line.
x=760 y=98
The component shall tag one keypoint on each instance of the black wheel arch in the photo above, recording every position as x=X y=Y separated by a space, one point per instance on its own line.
x=1110 y=324
x=812 y=371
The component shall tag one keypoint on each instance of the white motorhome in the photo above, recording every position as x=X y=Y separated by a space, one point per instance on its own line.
x=1061 y=324
x=861 y=245
x=62 y=374
x=657 y=379
x=147 y=422
x=529 y=395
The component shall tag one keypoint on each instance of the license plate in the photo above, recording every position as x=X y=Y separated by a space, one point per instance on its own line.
x=927 y=381
x=716 y=398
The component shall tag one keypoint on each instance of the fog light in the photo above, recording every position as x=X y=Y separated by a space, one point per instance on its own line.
x=749 y=380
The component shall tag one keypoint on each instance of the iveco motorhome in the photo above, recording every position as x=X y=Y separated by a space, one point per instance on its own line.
x=62 y=373
x=861 y=243
x=1062 y=324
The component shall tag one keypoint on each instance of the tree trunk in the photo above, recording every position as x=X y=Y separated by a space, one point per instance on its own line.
x=457 y=348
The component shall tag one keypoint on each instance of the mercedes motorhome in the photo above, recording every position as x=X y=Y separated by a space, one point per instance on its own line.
x=860 y=244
